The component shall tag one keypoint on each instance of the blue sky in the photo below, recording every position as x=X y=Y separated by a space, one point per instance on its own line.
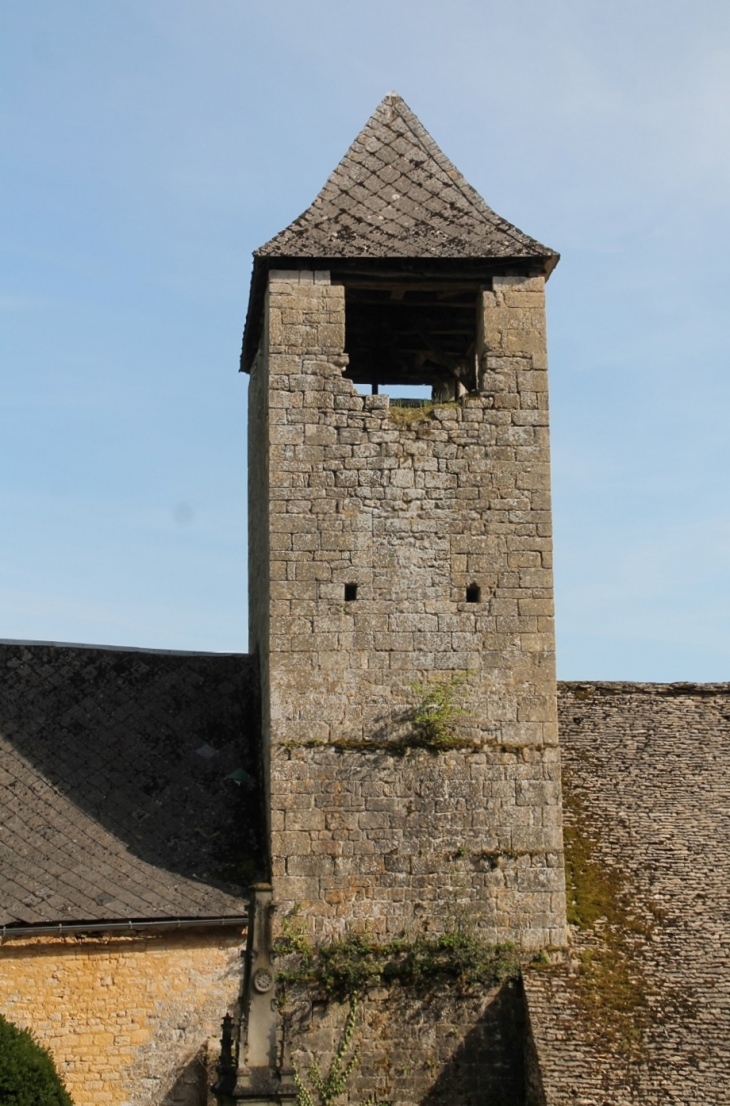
x=148 y=146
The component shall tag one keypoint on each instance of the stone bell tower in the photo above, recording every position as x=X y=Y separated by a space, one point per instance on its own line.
x=400 y=547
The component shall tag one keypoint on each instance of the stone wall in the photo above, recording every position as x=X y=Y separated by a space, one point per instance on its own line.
x=130 y=1021
x=639 y=1011
x=426 y=1046
x=347 y=490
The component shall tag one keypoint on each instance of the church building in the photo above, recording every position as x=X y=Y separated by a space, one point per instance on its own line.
x=526 y=881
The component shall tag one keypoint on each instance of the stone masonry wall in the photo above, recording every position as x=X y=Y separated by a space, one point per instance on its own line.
x=430 y=1046
x=130 y=1021
x=412 y=513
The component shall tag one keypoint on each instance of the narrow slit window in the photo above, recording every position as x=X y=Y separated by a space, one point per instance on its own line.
x=473 y=593
x=350 y=592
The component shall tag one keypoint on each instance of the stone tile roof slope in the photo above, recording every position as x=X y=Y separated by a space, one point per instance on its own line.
x=395 y=194
x=113 y=797
x=640 y=1011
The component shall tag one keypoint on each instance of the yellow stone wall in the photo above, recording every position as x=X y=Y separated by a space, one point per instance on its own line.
x=131 y=1021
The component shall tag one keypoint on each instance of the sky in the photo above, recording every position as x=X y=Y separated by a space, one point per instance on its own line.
x=148 y=146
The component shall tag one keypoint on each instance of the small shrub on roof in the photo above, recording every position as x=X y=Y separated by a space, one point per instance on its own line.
x=28 y=1076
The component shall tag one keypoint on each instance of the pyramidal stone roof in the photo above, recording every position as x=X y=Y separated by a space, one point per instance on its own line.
x=395 y=194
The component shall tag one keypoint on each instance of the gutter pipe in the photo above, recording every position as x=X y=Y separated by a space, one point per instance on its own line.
x=61 y=929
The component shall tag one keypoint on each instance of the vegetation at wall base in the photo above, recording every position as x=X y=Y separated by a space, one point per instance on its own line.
x=28 y=1076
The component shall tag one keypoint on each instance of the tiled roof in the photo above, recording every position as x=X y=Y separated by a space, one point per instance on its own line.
x=639 y=1012
x=113 y=797
x=395 y=194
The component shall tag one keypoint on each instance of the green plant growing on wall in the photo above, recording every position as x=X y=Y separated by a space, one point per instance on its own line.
x=326 y=1089
x=350 y=965
x=432 y=723
x=28 y=1076
x=437 y=713
x=293 y=939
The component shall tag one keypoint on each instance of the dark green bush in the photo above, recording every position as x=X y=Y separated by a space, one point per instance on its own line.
x=28 y=1076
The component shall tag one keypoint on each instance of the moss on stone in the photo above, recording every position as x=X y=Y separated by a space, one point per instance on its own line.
x=610 y=983
x=410 y=416
x=592 y=890
x=394 y=746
